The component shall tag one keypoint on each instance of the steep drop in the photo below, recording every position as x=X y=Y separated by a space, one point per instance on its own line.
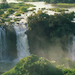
x=22 y=41
x=71 y=46
x=2 y=44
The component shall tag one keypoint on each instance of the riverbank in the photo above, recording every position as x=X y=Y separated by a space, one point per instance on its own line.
x=64 y=5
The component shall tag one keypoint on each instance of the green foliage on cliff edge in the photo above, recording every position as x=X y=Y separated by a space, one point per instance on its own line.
x=34 y=65
x=56 y=25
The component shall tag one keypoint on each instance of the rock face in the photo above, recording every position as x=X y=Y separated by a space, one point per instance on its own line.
x=11 y=41
x=8 y=49
x=50 y=48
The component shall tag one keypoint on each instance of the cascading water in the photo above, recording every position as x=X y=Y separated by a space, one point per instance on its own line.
x=72 y=48
x=6 y=53
x=2 y=44
x=22 y=42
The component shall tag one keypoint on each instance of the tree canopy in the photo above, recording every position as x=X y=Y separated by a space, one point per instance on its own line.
x=52 y=25
x=60 y=1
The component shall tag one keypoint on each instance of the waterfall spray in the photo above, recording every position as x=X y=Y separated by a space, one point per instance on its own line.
x=71 y=48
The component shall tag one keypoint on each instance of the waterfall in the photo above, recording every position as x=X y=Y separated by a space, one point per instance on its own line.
x=71 y=46
x=8 y=52
x=2 y=44
x=22 y=41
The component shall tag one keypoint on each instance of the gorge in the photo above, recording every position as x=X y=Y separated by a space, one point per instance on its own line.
x=14 y=43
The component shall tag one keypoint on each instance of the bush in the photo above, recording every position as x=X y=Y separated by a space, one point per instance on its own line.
x=5 y=15
x=23 y=9
x=34 y=65
x=10 y=11
x=1 y=12
x=58 y=9
x=17 y=14
x=32 y=9
x=68 y=71
x=15 y=19
x=4 y=5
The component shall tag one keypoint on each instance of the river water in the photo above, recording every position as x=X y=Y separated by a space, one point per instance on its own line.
x=22 y=41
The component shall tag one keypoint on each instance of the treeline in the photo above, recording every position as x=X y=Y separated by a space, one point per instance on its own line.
x=60 y=1
x=29 y=0
x=48 y=1
x=51 y=1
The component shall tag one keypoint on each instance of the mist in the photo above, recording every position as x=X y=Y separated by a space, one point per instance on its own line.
x=52 y=48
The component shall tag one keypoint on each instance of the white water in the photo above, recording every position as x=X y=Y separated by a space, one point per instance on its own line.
x=22 y=41
x=2 y=43
x=71 y=48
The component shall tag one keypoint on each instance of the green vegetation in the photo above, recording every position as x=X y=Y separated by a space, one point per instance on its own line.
x=23 y=9
x=58 y=9
x=57 y=25
x=8 y=20
x=17 y=14
x=10 y=11
x=34 y=65
x=43 y=8
x=2 y=20
x=4 y=5
x=65 y=5
x=4 y=1
x=50 y=1
x=60 y=1
x=32 y=9
x=66 y=63
x=5 y=15
x=1 y=12
x=11 y=8
x=20 y=6
x=29 y=0
x=16 y=19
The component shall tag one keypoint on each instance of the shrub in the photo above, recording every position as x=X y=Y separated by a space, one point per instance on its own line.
x=5 y=15
x=10 y=11
x=23 y=9
x=32 y=9
x=1 y=12
x=17 y=14
x=15 y=19
x=34 y=65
